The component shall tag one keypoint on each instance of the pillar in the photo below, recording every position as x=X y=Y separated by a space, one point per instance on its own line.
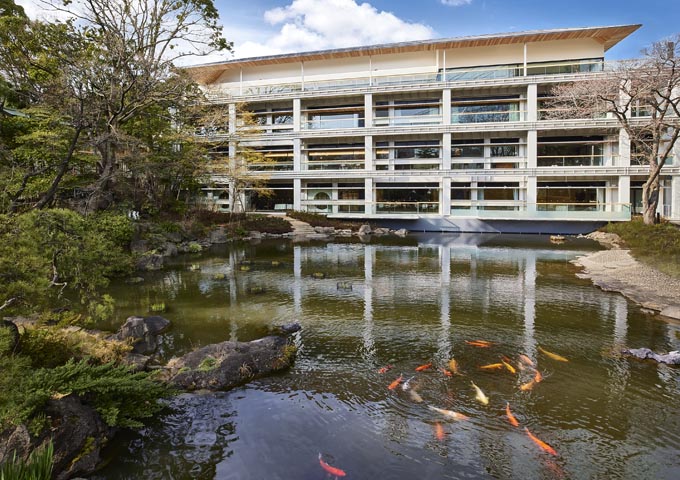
x=446 y=196
x=297 y=114
x=624 y=194
x=675 y=198
x=369 y=196
x=368 y=110
x=532 y=149
x=446 y=150
x=368 y=153
x=297 y=194
x=532 y=103
x=446 y=107
x=532 y=193
x=624 y=149
x=297 y=154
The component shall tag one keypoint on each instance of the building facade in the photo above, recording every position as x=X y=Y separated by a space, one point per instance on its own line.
x=440 y=135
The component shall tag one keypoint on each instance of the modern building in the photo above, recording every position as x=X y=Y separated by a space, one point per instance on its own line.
x=438 y=135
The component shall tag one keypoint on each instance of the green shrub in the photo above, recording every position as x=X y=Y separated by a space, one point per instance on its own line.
x=38 y=466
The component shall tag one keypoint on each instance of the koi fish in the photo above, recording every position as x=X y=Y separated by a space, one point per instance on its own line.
x=453 y=366
x=527 y=386
x=449 y=413
x=407 y=384
x=526 y=360
x=511 y=417
x=506 y=359
x=554 y=356
x=479 y=343
x=438 y=431
x=446 y=372
x=510 y=368
x=538 y=377
x=483 y=399
x=385 y=369
x=332 y=470
x=396 y=382
x=544 y=446
x=492 y=366
x=423 y=367
x=415 y=397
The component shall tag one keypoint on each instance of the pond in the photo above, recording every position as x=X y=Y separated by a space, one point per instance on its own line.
x=407 y=303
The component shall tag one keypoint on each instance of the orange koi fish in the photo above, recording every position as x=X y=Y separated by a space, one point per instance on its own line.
x=332 y=470
x=446 y=372
x=527 y=386
x=492 y=366
x=479 y=343
x=385 y=369
x=453 y=366
x=449 y=413
x=423 y=367
x=511 y=417
x=509 y=367
x=526 y=360
x=396 y=382
x=439 y=431
x=544 y=446
x=538 y=377
x=554 y=356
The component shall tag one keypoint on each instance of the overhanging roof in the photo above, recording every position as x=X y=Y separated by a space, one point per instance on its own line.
x=607 y=36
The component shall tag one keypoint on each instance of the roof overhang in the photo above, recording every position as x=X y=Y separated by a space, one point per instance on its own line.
x=607 y=36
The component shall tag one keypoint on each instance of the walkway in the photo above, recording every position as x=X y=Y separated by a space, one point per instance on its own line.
x=303 y=230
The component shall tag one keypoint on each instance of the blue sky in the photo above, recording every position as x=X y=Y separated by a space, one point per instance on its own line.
x=261 y=27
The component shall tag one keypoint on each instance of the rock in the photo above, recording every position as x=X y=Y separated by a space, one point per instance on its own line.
x=380 y=231
x=134 y=280
x=218 y=236
x=318 y=275
x=174 y=237
x=289 y=328
x=169 y=249
x=364 y=230
x=137 y=362
x=149 y=261
x=139 y=246
x=255 y=235
x=325 y=230
x=671 y=358
x=344 y=232
x=143 y=331
x=672 y=311
x=225 y=365
x=402 y=232
x=78 y=434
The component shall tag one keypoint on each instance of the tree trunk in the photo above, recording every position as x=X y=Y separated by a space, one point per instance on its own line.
x=650 y=201
x=48 y=197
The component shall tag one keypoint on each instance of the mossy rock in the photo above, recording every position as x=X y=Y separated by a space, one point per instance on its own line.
x=219 y=276
x=318 y=275
x=244 y=268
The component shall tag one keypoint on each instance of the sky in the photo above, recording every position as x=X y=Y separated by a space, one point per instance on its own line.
x=269 y=27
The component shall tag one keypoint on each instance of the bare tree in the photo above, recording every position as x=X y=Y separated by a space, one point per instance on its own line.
x=643 y=95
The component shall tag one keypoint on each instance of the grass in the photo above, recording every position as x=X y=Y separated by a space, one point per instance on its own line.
x=38 y=466
x=318 y=220
x=655 y=245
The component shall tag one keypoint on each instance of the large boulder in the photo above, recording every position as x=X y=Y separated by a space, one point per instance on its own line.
x=142 y=332
x=218 y=236
x=228 y=364
x=78 y=434
x=364 y=230
x=149 y=261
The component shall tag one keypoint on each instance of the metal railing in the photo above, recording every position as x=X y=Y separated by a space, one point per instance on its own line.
x=395 y=121
x=407 y=207
x=541 y=211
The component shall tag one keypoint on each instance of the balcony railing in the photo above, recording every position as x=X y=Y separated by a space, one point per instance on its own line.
x=475 y=74
x=571 y=160
x=407 y=207
x=541 y=211
x=491 y=116
x=407 y=120
x=331 y=123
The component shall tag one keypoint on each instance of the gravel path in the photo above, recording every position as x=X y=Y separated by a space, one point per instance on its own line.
x=617 y=270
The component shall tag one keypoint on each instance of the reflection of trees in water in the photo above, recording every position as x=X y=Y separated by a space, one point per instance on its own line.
x=187 y=443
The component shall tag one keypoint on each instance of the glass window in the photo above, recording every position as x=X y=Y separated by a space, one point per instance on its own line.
x=467 y=148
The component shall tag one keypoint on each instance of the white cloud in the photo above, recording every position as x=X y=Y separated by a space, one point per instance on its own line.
x=456 y=3
x=324 y=24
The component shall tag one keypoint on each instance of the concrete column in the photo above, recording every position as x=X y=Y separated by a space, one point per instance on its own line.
x=368 y=110
x=446 y=106
x=532 y=149
x=532 y=103
x=532 y=193
x=624 y=192
x=297 y=114
x=297 y=154
x=675 y=198
x=297 y=194
x=446 y=196
x=624 y=149
x=334 y=196
x=368 y=153
x=446 y=151
x=232 y=118
x=369 y=196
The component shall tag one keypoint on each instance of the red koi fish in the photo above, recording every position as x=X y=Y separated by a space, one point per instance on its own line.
x=511 y=417
x=385 y=369
x=446 y=372
x=544 y=446
x=396 y=382
x=423 y=367
x=332 y=470
x=439 y=431
x=479 y=343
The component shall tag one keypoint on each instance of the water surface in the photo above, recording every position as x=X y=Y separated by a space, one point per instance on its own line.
x=411 y=301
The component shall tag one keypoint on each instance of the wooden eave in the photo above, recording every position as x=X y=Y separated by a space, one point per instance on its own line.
x=607 y=36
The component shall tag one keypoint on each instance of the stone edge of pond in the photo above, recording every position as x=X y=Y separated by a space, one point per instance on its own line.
x=616 y=270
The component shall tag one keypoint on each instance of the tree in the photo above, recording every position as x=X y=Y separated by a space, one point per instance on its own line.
x=643 y=95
